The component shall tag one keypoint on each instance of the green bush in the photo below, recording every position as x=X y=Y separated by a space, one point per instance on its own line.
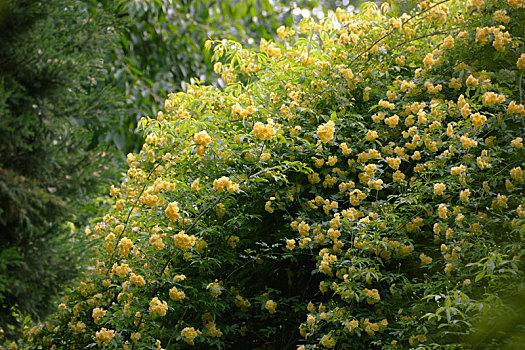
x=357 y=185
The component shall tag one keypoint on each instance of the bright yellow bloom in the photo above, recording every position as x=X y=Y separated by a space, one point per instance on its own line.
x=157 y=307
x=224 y=184
x=104 y=335
x=326 y=131
x=520 y=63
x=263 y=132
x=172 y=211
x=183 y=241
x=439 y=188
x=270 y=306
x=425 y=260
x=125 y=245
x=176 y=295
x=189 y=334
x=202 y=138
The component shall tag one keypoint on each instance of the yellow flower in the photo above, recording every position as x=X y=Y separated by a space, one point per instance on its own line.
x=202 y=138
x=179 y=278
x=157 y=307
x=521 y=62
x=224 y=184
x=425 y=260
x=439 y=188
x=265 y=156
x=195 y=185
x=327 y=341
x=270 y=306
x=448 y=268
x=135 y=337
x=189 y=334
x=448 y=42
x=97 y=314
x=515 y=108
x=392 y=121
x=125 y=245
x=371 y=135
x=183 y=241
x=372 y=296
x=471 y=81
x=517 y=174
x=290 y=244
x=457 y=170
x=443 y=211
x=517 y=142
x=268 y=207
x=490 y=98
x=464 y=194
x=121 y=270
x=393 y=162
x=263 y=132
x=156 y=242
x=172 y=211
x=217 y=67
x=176 y=295
x=137 y=280
x=326 y=131
x=501 y=16
x=104 y=335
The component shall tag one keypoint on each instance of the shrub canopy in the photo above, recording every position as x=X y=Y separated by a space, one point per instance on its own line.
x=358 y=184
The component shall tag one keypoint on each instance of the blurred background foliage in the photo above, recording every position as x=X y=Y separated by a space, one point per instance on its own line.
x=159 y=46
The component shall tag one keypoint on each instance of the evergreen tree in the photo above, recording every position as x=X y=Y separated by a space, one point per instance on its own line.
x=53 y=109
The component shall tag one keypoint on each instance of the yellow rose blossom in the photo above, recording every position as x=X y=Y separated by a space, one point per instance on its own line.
x=442 y=211
x=464 y=195
x=157 y=307
x=137 y=280
x=392 y=121
x=515 y=108
x=520 y=63
x=125 y=245
x=270 y=306
x=224 y=184
x=425 y=260
x=217 y=67
x=202 y=138
x=471 y=81
x=491 y=98
x=517 y=174
x=104 y=335
x=156 y=242
x=326 y=131
x=263 y=132
x=439 y=188
x=172 y=211
x=371 y=135
x=176 y=295
x=189 y=334
x=517 y=142
x=195 y=185
x=97 y=314
x=184 y=241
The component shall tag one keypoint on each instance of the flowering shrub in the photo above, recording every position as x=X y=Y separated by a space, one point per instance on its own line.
x=357 y=185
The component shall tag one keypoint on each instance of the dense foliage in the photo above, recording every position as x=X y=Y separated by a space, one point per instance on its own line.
x=358 y=184
x=51 y=106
